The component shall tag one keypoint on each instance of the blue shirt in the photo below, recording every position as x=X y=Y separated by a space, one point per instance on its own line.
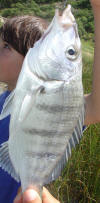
x=8 y=186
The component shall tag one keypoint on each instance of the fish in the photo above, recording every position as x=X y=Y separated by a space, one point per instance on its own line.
x=47 y=113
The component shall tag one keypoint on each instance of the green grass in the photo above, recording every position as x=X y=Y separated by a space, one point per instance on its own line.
x=87 y=46
x=87 y=54
x=80 y=180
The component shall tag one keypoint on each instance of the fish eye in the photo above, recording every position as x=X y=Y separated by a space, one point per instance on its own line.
x=71 y=53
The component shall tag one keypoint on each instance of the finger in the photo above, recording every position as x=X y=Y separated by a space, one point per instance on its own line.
x=47 y=197
x=18 y=198
x=31 y=196
x=19 y=190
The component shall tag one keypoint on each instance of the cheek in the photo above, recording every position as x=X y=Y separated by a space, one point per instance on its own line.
x=6 y=61
x=10 y=65
x=16 y=66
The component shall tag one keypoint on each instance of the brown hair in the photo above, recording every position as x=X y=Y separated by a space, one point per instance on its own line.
x=22 y=32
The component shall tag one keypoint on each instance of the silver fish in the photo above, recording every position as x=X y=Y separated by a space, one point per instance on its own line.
x=48 y=106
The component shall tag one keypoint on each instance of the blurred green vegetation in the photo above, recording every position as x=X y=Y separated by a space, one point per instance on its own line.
x=46 y=8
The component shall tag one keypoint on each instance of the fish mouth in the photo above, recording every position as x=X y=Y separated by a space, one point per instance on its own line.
x=64 y=19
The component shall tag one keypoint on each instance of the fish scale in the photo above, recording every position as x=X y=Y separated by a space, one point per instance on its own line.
x=47 y=106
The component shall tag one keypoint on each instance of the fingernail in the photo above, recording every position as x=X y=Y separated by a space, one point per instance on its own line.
x=30 y=195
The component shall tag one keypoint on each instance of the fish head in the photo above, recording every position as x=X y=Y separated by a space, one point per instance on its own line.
x=59 y=49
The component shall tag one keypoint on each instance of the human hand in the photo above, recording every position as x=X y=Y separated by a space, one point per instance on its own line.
x=31 y=196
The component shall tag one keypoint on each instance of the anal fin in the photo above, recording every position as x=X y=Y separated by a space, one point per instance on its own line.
x=5 y=162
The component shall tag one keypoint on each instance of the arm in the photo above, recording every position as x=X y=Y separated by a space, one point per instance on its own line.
x=93 y=99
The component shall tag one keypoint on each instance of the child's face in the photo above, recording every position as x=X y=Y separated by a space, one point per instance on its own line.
x=10 y=64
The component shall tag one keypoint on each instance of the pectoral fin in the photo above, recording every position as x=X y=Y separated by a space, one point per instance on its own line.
x=7 y=107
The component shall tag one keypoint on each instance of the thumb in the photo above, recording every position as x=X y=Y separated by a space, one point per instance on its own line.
x=31 y=196
x=47 y=197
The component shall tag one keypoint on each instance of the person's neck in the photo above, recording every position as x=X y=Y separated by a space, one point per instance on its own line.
x=11 y=87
